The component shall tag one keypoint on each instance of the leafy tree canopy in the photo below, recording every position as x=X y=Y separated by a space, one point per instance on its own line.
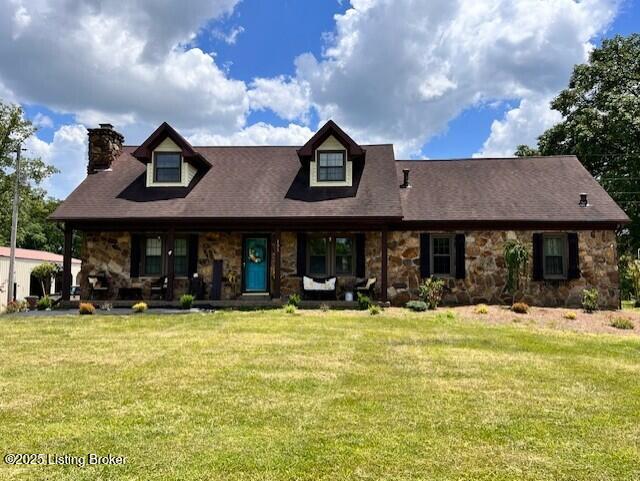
x=601 y=124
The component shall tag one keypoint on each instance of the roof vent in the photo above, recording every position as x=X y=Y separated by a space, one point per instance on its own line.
x=405 y=182
x=106 y=126
x=584 y=202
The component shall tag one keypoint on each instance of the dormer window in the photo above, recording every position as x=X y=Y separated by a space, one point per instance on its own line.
x=332 y=166
x=167 y=167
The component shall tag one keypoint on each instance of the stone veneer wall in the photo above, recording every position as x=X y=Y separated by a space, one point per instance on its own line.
x=486 y=271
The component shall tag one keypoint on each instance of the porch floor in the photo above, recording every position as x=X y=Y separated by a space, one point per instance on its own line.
x=244 y=303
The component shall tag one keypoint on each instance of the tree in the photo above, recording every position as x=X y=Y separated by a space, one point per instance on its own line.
x=525 y=151
x=601 y=123
x=44 y=273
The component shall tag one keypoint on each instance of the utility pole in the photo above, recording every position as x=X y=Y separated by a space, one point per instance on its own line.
x=14 y=226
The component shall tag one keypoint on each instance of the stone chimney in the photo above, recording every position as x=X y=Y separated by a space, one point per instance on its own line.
x=105 y=145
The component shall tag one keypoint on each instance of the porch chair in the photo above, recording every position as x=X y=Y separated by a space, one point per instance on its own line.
x=99 y=286
x=159 y=287
x=319 y=288
x=365 y=286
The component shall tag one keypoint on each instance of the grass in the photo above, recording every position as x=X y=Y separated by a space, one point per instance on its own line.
x=324 y=395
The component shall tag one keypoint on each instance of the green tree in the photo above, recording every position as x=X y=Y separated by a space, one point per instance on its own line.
x=601 y=124
x=44 y=273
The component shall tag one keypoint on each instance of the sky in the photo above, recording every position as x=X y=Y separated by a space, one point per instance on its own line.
x=437 y=78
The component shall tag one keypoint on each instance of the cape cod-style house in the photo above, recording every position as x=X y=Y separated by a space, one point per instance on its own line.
x=332 y=217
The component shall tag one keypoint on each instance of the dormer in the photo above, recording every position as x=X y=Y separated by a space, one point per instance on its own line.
x=169 y=158
x=330 y=155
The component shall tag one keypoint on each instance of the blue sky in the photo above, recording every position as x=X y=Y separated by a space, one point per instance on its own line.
x=443 y=79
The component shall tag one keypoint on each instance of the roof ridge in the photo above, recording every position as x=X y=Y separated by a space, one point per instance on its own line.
x=257 y=146
x=456 y=159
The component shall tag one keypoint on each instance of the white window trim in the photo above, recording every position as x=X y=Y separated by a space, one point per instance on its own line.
x=332 y=145
x=452 y=251
x=565 y=258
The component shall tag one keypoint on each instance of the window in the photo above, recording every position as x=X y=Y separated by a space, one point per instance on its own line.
x=318 y=253
x=180 y=258
x=554 y=248
x=331 y=166
x=344 y=255
x=442 y=255
x=153 y=256
x=167 y=167
x=328 y=256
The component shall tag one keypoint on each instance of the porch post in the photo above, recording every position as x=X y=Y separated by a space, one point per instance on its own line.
x=170 y=254
x=276 y=282
x=66 y=262
x=383 y=257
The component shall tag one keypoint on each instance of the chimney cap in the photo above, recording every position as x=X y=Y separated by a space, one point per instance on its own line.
x=106 y=126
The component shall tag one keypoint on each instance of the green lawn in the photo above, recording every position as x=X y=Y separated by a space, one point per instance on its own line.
x=266 y=395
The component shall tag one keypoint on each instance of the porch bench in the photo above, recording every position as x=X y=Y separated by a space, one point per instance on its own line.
x=319 y=288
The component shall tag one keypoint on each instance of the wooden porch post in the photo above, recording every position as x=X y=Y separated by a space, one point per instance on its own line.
x=383 y=257
x=170 y=256
x=66 y=262
x=276 y=282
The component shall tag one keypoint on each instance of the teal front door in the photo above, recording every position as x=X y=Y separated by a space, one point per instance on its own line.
x=255 y=261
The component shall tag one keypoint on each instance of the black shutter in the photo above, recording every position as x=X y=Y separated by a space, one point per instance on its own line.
x=193 y=255
x=537 y=257
x=425 y=269
x=360 y=258
x=302 y=254
x=460 y=242
x=216 y=281
x=136 y=244
x=573 y=272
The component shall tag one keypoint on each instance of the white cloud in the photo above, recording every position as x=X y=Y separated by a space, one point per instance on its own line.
x=42 y=121
x=286 y=97
x=400 y=70
x=68 y=152
x=229 y=37
x=256 y=134
x=119 y=59
x=521 y=125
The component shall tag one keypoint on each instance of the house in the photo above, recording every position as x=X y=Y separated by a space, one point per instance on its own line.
x=256 y=220
x=26 y=284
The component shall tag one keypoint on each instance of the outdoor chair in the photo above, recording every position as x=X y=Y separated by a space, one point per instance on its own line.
x=319 y=288
x=365 y=286
x=159 y=287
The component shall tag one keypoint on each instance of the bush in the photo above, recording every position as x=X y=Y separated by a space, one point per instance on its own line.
x=86 y=308
x=520 y=307
x=622 y=323
x=44 y=303
x=186 y=301
x=363 y=302
x=374 y=310
x=431 y=291
x=140 y=307
x=590 y=299
x=290 y=309
x=324 y=307
x=572 y=316
x=294 y=300
x=416 y=306
x=481 y=309
x=16 y=306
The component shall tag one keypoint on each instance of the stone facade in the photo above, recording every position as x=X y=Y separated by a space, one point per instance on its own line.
x=486 y=272
x=484 y=266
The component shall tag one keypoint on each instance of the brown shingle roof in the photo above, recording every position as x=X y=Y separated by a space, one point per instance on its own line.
x=243 y=182
x=505 y=189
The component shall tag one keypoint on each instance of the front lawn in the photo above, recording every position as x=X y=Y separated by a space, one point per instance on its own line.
x=338 y=395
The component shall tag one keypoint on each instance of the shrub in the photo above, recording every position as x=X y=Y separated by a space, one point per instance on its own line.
x=416 y=306
x=186 y=301
x=140 y=307
x=481 y=309
x=374 y=310
x=622 y=323
x=590 y=299
x=86 y=308
x=520 y=307
x=294 y=300
x=431 y=291
x=44 y=303
x=450 y=315
x=16 y=306
x=290 y=309
x=324 y=307
x=363 y=302
x=572 y=316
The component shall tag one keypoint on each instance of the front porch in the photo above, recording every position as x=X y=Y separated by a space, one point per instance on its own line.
x=226 y=268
